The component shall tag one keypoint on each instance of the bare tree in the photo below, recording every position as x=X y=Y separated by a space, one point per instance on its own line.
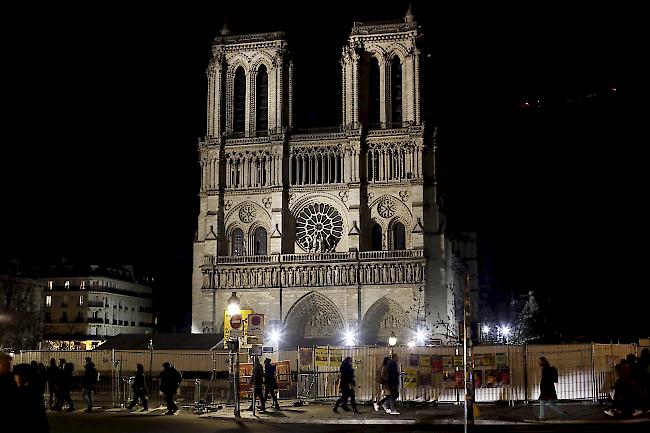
x=20 y=313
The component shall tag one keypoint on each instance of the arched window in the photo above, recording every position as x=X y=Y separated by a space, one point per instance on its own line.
x=373 y=92
x=259 y=241
x=399 y=236
x=239 y=101
x=396 y=90
x=237 y=240
x=262 y=99
x=375 y=236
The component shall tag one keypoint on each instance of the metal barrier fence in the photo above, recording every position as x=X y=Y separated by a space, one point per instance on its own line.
x=504 y=372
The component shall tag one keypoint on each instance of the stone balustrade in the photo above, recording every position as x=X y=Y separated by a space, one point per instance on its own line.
x=316 y=270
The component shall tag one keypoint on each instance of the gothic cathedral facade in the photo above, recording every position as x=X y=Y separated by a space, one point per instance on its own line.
x=324 y=232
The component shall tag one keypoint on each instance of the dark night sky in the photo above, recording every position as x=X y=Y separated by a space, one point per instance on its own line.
x=103 y=107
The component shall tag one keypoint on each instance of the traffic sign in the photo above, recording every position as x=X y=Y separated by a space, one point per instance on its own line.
x=235 y=322
x=256 y=324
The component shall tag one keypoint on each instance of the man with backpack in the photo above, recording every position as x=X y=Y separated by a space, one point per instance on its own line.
x=547 y=394
x=88 y=383
x=170 y=379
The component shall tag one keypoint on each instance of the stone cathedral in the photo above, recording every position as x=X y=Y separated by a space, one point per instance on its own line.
x=324 y=232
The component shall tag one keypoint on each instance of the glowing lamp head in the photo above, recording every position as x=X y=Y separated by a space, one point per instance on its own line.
x=349 y=337
x=420 y=335
x=392 y=340
x=233 y=304
x=505 y=330
x=411 y=343
x=486 y=329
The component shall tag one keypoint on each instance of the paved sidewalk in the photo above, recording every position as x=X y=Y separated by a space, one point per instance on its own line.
x=428 y=414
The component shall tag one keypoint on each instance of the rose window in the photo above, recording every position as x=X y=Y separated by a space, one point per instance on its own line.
x=247 y=213
x=319 y=228
x=386 y=208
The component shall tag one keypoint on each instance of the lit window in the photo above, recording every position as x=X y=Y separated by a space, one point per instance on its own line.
x=82 y=286
x=49 y=285
x=48 y=301
x=81 y=301
x=67 y=285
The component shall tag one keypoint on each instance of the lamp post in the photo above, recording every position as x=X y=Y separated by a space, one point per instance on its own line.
x=150 y=362
x=392 y=341
x=233 y=308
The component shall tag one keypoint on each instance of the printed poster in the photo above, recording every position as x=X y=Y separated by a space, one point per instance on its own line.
x=425 y=361
x=458 y=360
x=306 y=357
x=436 y=364
x=504 y=377
x=491 y=379
x=447 y=361
x=414 y=360
x=502 y=360
x=478 y=378
x=410 y=378
x=486 y=360
x=460 y=379
x=336 y=357
x=424 y=376
x=321 y=355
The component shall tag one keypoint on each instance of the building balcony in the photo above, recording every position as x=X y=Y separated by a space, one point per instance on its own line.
x=95 y=304
x=95 y=320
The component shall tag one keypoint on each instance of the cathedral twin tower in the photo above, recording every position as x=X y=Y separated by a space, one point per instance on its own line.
x=323 y=232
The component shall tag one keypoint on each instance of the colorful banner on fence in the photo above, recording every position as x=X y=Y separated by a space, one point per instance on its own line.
x=328 y=356
x=410 y=378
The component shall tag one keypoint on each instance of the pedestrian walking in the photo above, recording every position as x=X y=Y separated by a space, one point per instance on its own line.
x=52 y=373
x=63 y=385
x=382 y=380
x=139 y=389
x=88 y=383
x=256 y=380
x=347 y=385
x=170 y=379
x=548 y=396
x=271 y=383
x=392 y=382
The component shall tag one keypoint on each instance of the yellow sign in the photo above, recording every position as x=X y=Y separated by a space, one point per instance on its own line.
x=226 y=323
x=410 y=378
x=328 y=356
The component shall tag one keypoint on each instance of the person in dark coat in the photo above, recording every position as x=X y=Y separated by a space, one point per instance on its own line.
x=7 y=388
x=88 y=383
x=347 y=385
x=63 y=385
x=170 y=379
x=29 y=404
x=270 y=382
x=139 y=389
x=52 y=373
x=547 y=394
x=257 y=379
x=392 y=382
x=39 y=376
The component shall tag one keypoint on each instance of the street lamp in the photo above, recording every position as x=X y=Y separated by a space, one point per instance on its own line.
x=233 y=304
x=392 y=341
x=234 y=309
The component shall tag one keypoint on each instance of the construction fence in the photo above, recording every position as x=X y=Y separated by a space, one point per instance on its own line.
x=501 y=372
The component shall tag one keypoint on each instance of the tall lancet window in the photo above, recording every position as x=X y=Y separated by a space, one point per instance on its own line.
x=396 y=90
x=375 y=238
x=239 y=101
x=262 y=99
x=259 y=240
x=399 y=236
x=237 y=241
x=373 y=92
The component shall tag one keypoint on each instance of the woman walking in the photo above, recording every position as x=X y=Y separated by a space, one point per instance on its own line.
x=347 y=387
x=547 y=394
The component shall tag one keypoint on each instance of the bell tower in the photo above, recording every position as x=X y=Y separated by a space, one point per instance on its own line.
x=249 y=84
x=381 y=74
